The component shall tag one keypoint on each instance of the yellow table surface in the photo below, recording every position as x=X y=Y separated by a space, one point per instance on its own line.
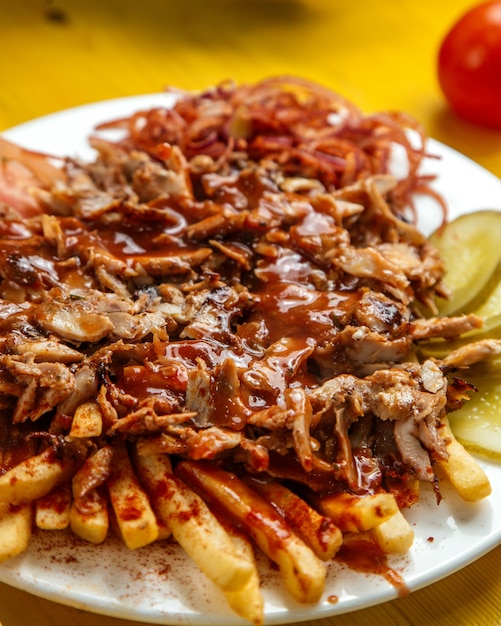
x=379 y=53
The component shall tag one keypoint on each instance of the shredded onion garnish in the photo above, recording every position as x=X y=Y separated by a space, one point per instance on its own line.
x=307 y=129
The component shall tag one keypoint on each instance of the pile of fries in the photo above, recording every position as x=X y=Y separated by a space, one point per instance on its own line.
x=215 y=516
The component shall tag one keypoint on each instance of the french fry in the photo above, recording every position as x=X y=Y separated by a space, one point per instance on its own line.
x=163 y=530
x=52 y=512
x=248 y=601
x=394 y=535
x=193 y=525
x=89 y=518
x=317 y=531
x=357 y=513
x=302 y=571
x=136 y=521
x=15 y=529
x=35 y=477
x=87 y=421
x=463 y=471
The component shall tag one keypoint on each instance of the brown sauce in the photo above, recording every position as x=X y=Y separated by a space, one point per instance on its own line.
x=365 y=557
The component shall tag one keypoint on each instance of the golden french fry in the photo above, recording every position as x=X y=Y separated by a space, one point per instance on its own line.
x=52 y=512
x=87 y=421
x=193 y=525
x=15 y=529
x=35 y=477
x=357 y=513
x=136 y=521
x=302 y=571
x=320 y=533
x=89 y=516
x=394 y=535
x=248 y=601
x=463 y=471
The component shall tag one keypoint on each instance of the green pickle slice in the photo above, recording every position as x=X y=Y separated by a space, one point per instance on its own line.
x=471 y=249
x=477 y=424
x=470 y=246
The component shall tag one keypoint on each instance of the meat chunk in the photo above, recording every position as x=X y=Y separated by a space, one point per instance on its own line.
x=445 y=327
x=42 y=386
x=408 y=396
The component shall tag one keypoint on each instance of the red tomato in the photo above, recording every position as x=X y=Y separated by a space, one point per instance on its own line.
x=469 y=65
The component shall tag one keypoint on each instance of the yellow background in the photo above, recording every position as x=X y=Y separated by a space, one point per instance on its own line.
x=381 y=54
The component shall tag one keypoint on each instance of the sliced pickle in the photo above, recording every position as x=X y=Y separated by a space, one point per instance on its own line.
x=490 y=307
x=470 y=246
x=477 y=424
x=471 y=249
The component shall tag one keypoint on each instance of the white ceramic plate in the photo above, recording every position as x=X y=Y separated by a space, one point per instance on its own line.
x=159 y=584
